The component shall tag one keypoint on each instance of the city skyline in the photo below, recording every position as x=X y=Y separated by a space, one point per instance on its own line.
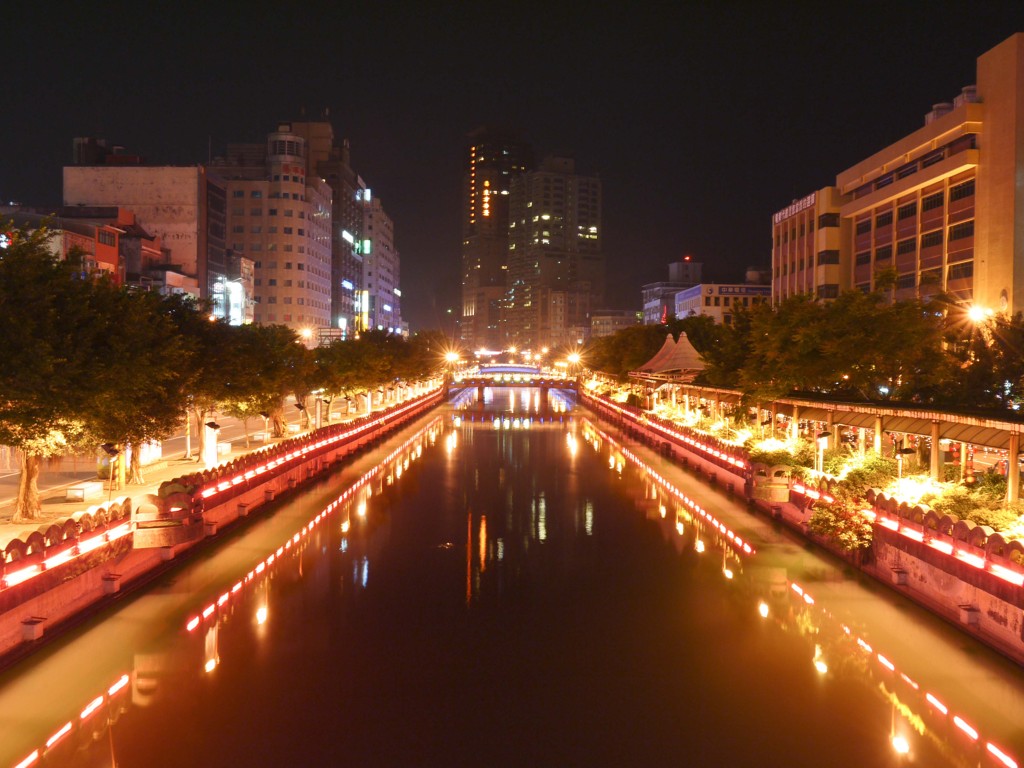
x=700 y=122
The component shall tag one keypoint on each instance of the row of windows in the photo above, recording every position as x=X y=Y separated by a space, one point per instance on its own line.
x=908 y=210
x=962 y=271
x=723 y=301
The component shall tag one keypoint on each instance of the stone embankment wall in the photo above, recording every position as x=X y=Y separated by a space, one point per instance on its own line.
x=56 y=574
x=962 y=572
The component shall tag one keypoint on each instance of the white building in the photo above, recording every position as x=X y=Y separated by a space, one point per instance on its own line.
x=720 y=300
x=379 y=304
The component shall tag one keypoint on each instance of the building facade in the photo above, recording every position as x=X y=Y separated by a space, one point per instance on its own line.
x=942 y=208
x=605 y=322
x=720 y=301
x=331 y=160
x=380 y=299
x=807 y=247
x=555 y=273
x=493 y=159
x=659 y=299
x=183 y=206
x=279 y=217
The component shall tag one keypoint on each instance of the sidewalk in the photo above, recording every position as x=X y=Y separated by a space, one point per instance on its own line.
x=55 y=508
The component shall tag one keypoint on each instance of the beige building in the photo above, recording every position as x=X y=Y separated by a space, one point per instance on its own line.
x=280 y=219
x=942 y=206
x=181 y=205
x=807 y=254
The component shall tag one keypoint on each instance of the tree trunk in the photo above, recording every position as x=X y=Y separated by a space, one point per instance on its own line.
x=277 y=428
x=28 y=506
x=200 y=416
x=135 y=466
x=245 y=426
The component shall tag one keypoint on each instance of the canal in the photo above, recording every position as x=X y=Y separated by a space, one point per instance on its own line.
x=510 y=581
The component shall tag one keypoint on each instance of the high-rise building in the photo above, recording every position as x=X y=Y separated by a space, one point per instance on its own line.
x=555 y=263
x=493 y=159
x=332 y=162
x=380 y=299
x=942 y=207
x=279 y=216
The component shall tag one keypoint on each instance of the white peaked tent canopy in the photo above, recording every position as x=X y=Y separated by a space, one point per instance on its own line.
x=677 y=358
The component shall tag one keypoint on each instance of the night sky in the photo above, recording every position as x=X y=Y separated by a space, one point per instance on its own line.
x=701 y=121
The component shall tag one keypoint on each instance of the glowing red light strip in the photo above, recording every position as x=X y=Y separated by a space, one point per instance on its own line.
x=91 y=707
x=194 y=621
x=117 y=686
x=28 y=760
x=963 y=726
x=1001 y=756
x=937 y=704
x=59 y=734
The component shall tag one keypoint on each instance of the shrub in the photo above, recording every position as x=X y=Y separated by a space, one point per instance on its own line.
x=875 y=472
x=842 y=523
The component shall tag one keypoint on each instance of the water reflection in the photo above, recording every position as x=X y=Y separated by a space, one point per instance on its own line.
x=547 y=595
x=917 y=714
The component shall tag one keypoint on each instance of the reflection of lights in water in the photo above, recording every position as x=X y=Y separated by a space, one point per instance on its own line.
x=261 y=615
x=361 y=509
x=662 y=511
x=762 y=609
x=900 y=744
x=728 y=573
x=589 y=517
x=699 y=545
x=210 y=665
x=345 y=526
x=819 y=662
x=570 y=440
x=679 y=527
x=501 y=549
x=483 y=543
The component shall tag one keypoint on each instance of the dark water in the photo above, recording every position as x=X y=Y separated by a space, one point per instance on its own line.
x=501 y=593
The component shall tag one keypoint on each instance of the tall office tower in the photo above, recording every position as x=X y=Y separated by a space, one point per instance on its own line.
x=942 y=207
x=556 y=268
x=379 y=301
x=493 y=159
x=280 y=217
x=332 y=162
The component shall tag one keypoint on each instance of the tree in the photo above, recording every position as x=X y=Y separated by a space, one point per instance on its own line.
x=625 y=350
x=142 y=388
x=49 y=372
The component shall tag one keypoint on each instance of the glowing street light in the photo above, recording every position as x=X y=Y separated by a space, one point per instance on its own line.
x=977 y=314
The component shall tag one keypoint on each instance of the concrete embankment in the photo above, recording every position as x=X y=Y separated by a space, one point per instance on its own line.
x=965 y=574
x=60 y=575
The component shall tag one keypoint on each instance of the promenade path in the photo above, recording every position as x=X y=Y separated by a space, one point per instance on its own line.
x=55 y=507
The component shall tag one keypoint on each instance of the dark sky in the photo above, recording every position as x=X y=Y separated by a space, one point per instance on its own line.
x=701 y=120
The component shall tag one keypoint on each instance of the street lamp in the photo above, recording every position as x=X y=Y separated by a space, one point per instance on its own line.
x=822 y=441
x=899 y=460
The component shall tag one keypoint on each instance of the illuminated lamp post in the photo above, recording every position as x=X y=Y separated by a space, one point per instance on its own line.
x=574 y=362
x=822 y=441
x=210 y=443
x=899 y=460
